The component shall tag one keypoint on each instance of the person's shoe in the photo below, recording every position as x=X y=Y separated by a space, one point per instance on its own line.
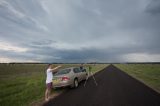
x=46 y=99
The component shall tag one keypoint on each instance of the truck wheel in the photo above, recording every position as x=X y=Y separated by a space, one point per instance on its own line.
x=75 y=83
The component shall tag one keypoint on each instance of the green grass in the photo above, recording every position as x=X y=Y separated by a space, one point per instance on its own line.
x=97 y=67
x=22 y=84
x=149 y=74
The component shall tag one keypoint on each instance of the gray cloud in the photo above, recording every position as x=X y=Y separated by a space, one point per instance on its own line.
x=154 y=7
x=80 y=31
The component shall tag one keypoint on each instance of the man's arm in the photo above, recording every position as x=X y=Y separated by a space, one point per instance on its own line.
x=54 y=69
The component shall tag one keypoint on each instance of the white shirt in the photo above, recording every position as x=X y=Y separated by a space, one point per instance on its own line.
x=49 y=75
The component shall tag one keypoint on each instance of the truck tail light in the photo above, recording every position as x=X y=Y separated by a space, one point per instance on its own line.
x=65 y=78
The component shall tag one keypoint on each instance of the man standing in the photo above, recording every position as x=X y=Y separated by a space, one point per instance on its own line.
x=81 y=67
x=90 y=68
x=49 y=80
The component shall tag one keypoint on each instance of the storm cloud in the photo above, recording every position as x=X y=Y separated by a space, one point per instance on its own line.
x=79 y=31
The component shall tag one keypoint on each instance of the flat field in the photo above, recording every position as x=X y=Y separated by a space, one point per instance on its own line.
x=23 y=84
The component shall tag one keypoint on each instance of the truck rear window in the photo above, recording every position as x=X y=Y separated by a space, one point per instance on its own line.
x=63 y=71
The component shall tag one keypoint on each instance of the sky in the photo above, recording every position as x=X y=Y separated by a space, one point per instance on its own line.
x=79 y=31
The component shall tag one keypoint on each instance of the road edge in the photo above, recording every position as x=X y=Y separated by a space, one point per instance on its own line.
x=139 y=80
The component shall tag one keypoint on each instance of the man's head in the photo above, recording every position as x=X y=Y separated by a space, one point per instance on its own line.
x=49 y=65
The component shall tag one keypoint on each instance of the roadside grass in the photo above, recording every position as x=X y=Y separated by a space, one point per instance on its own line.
x=23 y=84
x=149 y=74
x=97 y=67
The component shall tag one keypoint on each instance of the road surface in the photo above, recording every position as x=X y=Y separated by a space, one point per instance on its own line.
x=115 y=88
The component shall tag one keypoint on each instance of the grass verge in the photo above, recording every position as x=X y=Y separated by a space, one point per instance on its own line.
x=149 y=74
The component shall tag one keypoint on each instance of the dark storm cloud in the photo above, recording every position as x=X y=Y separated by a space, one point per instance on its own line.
x=154 y=7
x=85 y=55
x=80 y=31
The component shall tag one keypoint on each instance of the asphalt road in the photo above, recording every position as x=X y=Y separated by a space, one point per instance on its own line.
x=115 y=88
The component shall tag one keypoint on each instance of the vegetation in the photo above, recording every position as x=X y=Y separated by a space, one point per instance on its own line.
x=22 y=84
x=96 y=67
x=149 y=74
